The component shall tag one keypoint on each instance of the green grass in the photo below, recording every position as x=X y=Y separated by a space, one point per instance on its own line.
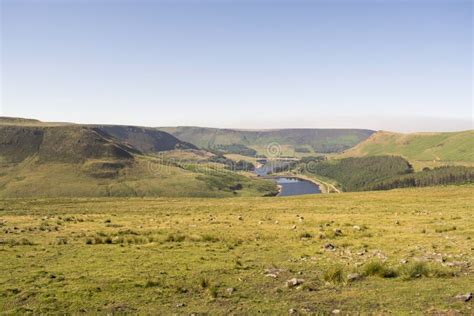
x=422 y=149
x=181 y=255
x=288 y=140
x=145 y=176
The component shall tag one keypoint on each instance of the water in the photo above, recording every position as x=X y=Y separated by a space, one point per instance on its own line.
x=289 y=186
x=293 y=186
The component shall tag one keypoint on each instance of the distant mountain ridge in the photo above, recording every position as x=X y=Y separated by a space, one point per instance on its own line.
x=305 y=140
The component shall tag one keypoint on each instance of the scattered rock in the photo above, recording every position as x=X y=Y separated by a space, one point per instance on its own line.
x=464 y=297
x=404 y=261
x=293 y=227
x=277 y=222
x=294 y=282
x=397 y=222
x=260 y=222
x=292 y=311
x=329 y=246
x=240 y=218
x=180 y=305
x=336 y=311
x=273 y=272
x=355 y=227
x=351 y=277
x=230 y=290
x=337 y=232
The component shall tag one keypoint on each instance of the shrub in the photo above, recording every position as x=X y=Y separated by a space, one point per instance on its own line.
x=152 y=283
x=177 y=237
x=377 y=268
x=415 y=270
x=335 y=274
x=204 y=283
x=306 y=235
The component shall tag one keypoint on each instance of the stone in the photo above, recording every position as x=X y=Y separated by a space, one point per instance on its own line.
x=273 y=272
x=294 y=282
x=230 y=290
x=464 y=297
x=329 y=246
x=240 y=218
x=336 y=311
x=293 y=227
x=351 y=277
x=292 y=311
x=180 y=305
x=337 y=232
x=356 y=227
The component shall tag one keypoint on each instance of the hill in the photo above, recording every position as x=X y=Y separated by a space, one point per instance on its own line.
x=394 y=252
x=290 y=142
x=147 y=140
x=421 y=149
x=42 y=159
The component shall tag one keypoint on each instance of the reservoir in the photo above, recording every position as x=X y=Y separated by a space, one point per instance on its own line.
x=294 y=186
x=289 y=185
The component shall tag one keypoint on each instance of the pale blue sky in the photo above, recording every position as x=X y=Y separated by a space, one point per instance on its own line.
x=398 y=65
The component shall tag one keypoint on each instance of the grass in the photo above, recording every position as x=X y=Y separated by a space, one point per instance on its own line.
x=421 y=149
x=180 y=255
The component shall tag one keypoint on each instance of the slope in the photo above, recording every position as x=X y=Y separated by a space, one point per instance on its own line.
x=422 y=149
x=288 y=141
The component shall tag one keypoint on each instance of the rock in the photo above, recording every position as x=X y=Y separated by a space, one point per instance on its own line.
x=240 y=218
x=329 y=246
x=293 y=227
x=464 y=297
x=180 y=305
x=260 y=222
x=397 y=222
x=292 y=311
x=230 y=290
x=351 y=277
x=277 y=222
x=294 y=282
x=336 y=311
x=356 y=227
x=273 y=272
x=337 y=232
x=404 y=261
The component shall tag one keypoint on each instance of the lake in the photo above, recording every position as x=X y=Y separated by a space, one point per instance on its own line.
x=294 y=186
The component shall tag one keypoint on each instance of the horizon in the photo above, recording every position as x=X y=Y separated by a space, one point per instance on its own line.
x=379 y=65
x=239 y=129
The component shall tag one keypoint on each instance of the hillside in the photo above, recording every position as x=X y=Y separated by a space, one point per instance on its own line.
x=41 y=159
x=147 y=140
x=290 y=141
x=430 y=149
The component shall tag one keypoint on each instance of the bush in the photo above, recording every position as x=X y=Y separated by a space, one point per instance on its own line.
x=377 y=268
x=204 y=283
x=415 y=270
x=335 y=274
x=177 y=237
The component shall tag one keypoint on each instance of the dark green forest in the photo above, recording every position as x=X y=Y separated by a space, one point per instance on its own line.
x=384 y=173
x=437 y=176
x=355 y=174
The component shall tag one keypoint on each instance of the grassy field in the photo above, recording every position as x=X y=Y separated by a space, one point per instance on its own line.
x=401 y=251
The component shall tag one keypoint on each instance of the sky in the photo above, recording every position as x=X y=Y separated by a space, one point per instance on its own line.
x=395 y=65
